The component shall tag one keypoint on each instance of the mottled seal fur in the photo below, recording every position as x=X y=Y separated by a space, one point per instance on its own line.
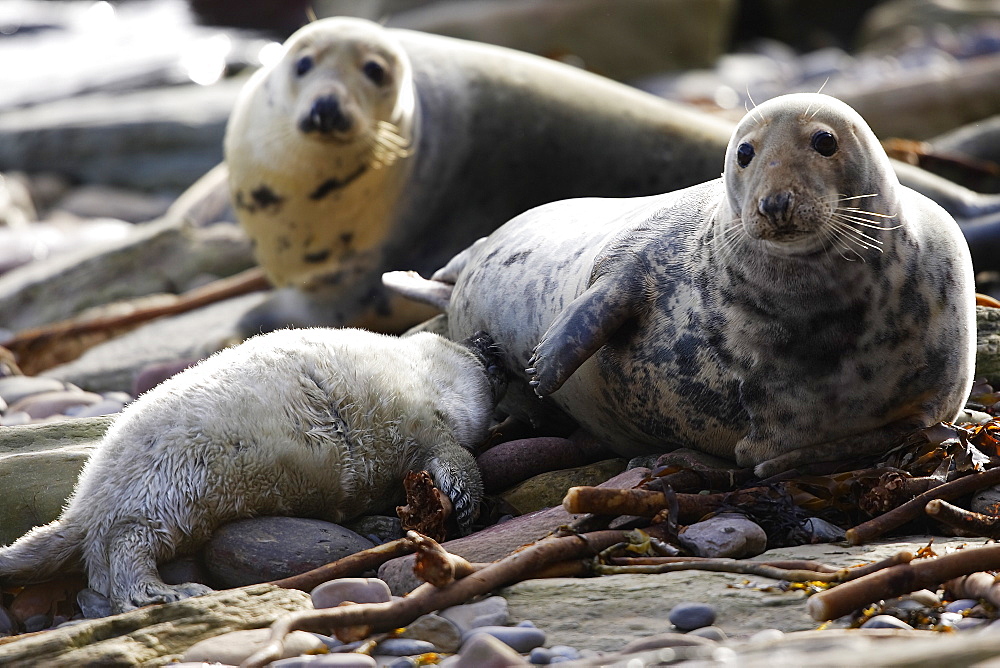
x=313 y=423
x=804 y=307
x=365 y=149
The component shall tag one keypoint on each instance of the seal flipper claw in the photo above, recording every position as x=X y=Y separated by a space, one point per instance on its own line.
x=455 y=473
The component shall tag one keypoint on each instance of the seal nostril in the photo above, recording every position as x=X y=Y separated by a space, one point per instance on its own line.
x=775 y=206
x=325 y=115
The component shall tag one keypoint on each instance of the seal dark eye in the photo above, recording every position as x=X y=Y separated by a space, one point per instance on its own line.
x=303 y=65
x=744 y=154
x=824 y=143
x=375 y=71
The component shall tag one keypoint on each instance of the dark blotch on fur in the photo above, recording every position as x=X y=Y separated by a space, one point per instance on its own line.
x=328 y=186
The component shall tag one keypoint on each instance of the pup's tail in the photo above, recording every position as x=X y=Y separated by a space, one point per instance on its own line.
x=42 y=553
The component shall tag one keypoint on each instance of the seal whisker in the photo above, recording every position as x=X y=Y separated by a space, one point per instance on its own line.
x=848 y=242
x=865 y=222
x=841 y=222
x=848 y=233
x=864 y=212
x=840 y=197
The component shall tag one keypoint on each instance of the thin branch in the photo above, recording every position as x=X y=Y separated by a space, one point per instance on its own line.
x=915 y=507
x=976 y=524
x=427 y=597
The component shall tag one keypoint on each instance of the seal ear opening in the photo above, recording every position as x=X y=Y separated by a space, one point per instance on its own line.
x=413 y=286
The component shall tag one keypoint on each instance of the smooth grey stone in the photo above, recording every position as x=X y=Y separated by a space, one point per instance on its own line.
x=37 y=623
x=540 y=655
x=236 y=646
x=482 y=650
x=103 y=407
x=15 y=388
x=886 y=622
x=357 y=590
x=522 y=639
x=7 y=624
x=262 y=549
x=961 y=605
x=466 y=616
x=926 y=597
x=564 y=651
x=377 y=528
x=440 y=632
x=47 y=404
x=403 y=647
x=691 y=616
x=326 y=661
x=15 y=419
x=951 y=618
x=402 y=662
x=726 y=535
x=93 y=604
x=711 y=632
x=821 y=531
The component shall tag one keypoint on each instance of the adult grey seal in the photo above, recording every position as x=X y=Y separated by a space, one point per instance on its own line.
x=804 y=307
x=313 y=423
x=365 y=149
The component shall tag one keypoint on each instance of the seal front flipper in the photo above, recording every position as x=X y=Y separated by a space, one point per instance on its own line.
x=413 y=286
x=580 y=330
x=455 y=473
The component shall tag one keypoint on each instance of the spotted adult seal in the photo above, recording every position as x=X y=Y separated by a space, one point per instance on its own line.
x=804 y=307
x=314 y=423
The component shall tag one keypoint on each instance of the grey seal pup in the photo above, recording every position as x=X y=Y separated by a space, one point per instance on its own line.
x=804 y=307
x=318 y=423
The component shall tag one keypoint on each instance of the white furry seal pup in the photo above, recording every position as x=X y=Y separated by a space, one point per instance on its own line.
x=804 y=307
x=365 y=149
x=314 y=423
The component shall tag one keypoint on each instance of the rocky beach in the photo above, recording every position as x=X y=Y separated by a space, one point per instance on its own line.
x=123 y=263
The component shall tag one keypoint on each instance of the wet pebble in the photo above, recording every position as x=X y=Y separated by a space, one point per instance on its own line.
x=15 y=388
x=482 y=650
x=357 y=590
x=236 y=646
x=93 y=604
x=961 y=605
x=726 y=535
x=326 y=661
x=522 y=639
x=403 y=647
x=711 y=633
x=691 y=616
x=55 y=402
x=261 y=549
x=886 y=622
x=440 y=632
x=491 y=611
x=926 y=597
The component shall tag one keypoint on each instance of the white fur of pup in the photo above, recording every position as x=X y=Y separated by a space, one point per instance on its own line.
x=314 y=423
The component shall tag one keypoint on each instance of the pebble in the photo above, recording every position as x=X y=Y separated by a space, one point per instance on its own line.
x=886 y=622
x=15 y=419
x=728 y=535
x=520 y=638
x=926 y=597
x=710 y=632
x=325 y=661
x=483 y=650
x=102 y=407
x=46 y=404
x=7 y=624
x=442 y=633
x=261 y=549
x=960 y=605
x=93 y=604
x=403 y=647
x=950 y=618
x=377 y=528
x=398 y=662
x=766 y=636
x=821 y=531
x=491 y=611
x=236 y=646
x=357 y=590
x=15 y=388
x=37 y=623
x=691 y=616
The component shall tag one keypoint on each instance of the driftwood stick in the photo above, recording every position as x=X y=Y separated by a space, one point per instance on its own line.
x=903 y=579
x=789 y=564
x=987 y=526
x=348 y=567
x=976 y=585
x=646 y=503
x=436 y=565
x=725 y=566
x=427 y=597
x=913 y=508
